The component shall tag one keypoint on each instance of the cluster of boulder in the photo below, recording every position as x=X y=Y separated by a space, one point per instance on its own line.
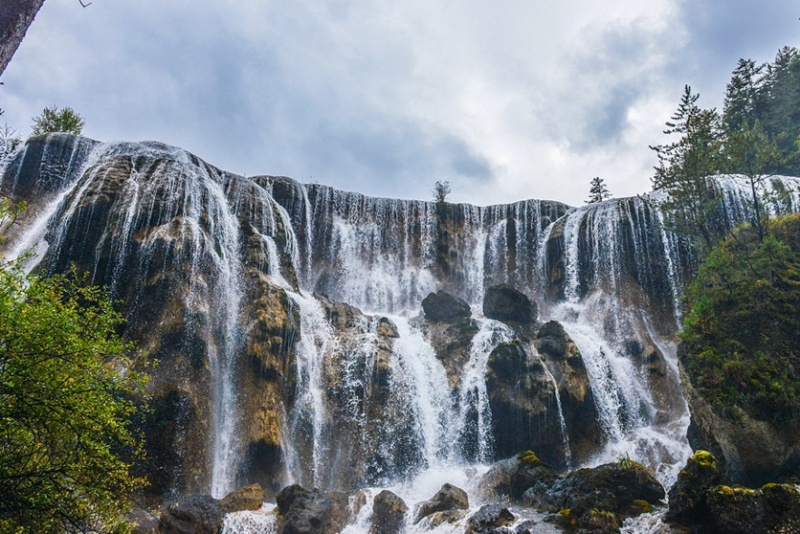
x=588 y=500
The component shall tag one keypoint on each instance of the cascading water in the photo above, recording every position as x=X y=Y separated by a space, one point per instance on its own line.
x=473 y=424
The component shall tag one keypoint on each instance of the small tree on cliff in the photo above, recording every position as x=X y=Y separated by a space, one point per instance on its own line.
x=440 y=191
x=54 y=120
x=598 y=191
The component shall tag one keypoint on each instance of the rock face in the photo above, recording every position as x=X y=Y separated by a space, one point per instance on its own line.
x=522 y=379
x=505 y=303
x=444 y=307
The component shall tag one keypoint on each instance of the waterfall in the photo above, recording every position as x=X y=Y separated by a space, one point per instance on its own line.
x=341 y=348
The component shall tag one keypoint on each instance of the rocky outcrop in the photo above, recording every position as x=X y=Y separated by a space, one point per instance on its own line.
x=444 y=307
x=598 y=499
x=505 y=303
x=522 y=383
x=247 y=498
x=699 y=503
x=565 y=363
x=750 y=452
x=388 y=514
x=452 y=342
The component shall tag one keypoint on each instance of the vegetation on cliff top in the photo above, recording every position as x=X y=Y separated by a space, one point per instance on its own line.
x=742 y=335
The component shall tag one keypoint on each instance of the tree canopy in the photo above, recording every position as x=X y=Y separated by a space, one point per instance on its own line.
x=67 y=393
x=54 y=119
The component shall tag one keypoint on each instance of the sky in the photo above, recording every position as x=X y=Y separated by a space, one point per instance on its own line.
x=506 y=100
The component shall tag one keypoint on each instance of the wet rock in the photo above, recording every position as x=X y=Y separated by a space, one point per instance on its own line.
x=611 y=487
x=489 y=518
x=530 y=475
x=444 y=307
x=452 y=343
x=387 y=328
x=687 y=495
x=195 y=515
x=388 y=513
x=598 y=499
x=247 y=498
x=505 y=303
x=565 y=362
x=439 y=518
x=522 y=399
x=311 y=512
x=449 y=497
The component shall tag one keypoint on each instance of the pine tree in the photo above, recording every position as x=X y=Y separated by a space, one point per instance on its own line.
x=598 y=191
x=684 y=167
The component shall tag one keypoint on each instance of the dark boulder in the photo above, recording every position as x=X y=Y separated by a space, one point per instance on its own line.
x=504 y=303
x=530 y=474
x=446 y=499
x=388 y=513
x=488 y=519
x=196 y=515
x=611 y=487
x=598 y=499
x=687 y=496
x=311 y=512
x=247 y=498
x=521 y=395
x=444 y=307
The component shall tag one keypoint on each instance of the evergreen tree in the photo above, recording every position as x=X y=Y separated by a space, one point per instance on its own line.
x=598 y=191
x=750 y=151
x=744 y=96
x=684 y=167
x=54 y=119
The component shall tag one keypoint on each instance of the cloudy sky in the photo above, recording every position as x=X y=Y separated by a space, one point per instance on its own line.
x=506 y=100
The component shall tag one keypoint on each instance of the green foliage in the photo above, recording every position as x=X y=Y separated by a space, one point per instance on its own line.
x=67 y=392
x=598 y=191
x=54 y=120
x=769 y=95
x=742 y=336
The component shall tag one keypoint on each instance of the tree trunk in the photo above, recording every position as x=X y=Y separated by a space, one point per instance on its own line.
x=15 y=17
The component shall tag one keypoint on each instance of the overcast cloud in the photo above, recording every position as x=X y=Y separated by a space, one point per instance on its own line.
x=507 y=100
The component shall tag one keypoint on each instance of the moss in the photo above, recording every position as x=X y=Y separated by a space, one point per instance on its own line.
x=642 y=506
x=528 y=458
x=704 y=459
